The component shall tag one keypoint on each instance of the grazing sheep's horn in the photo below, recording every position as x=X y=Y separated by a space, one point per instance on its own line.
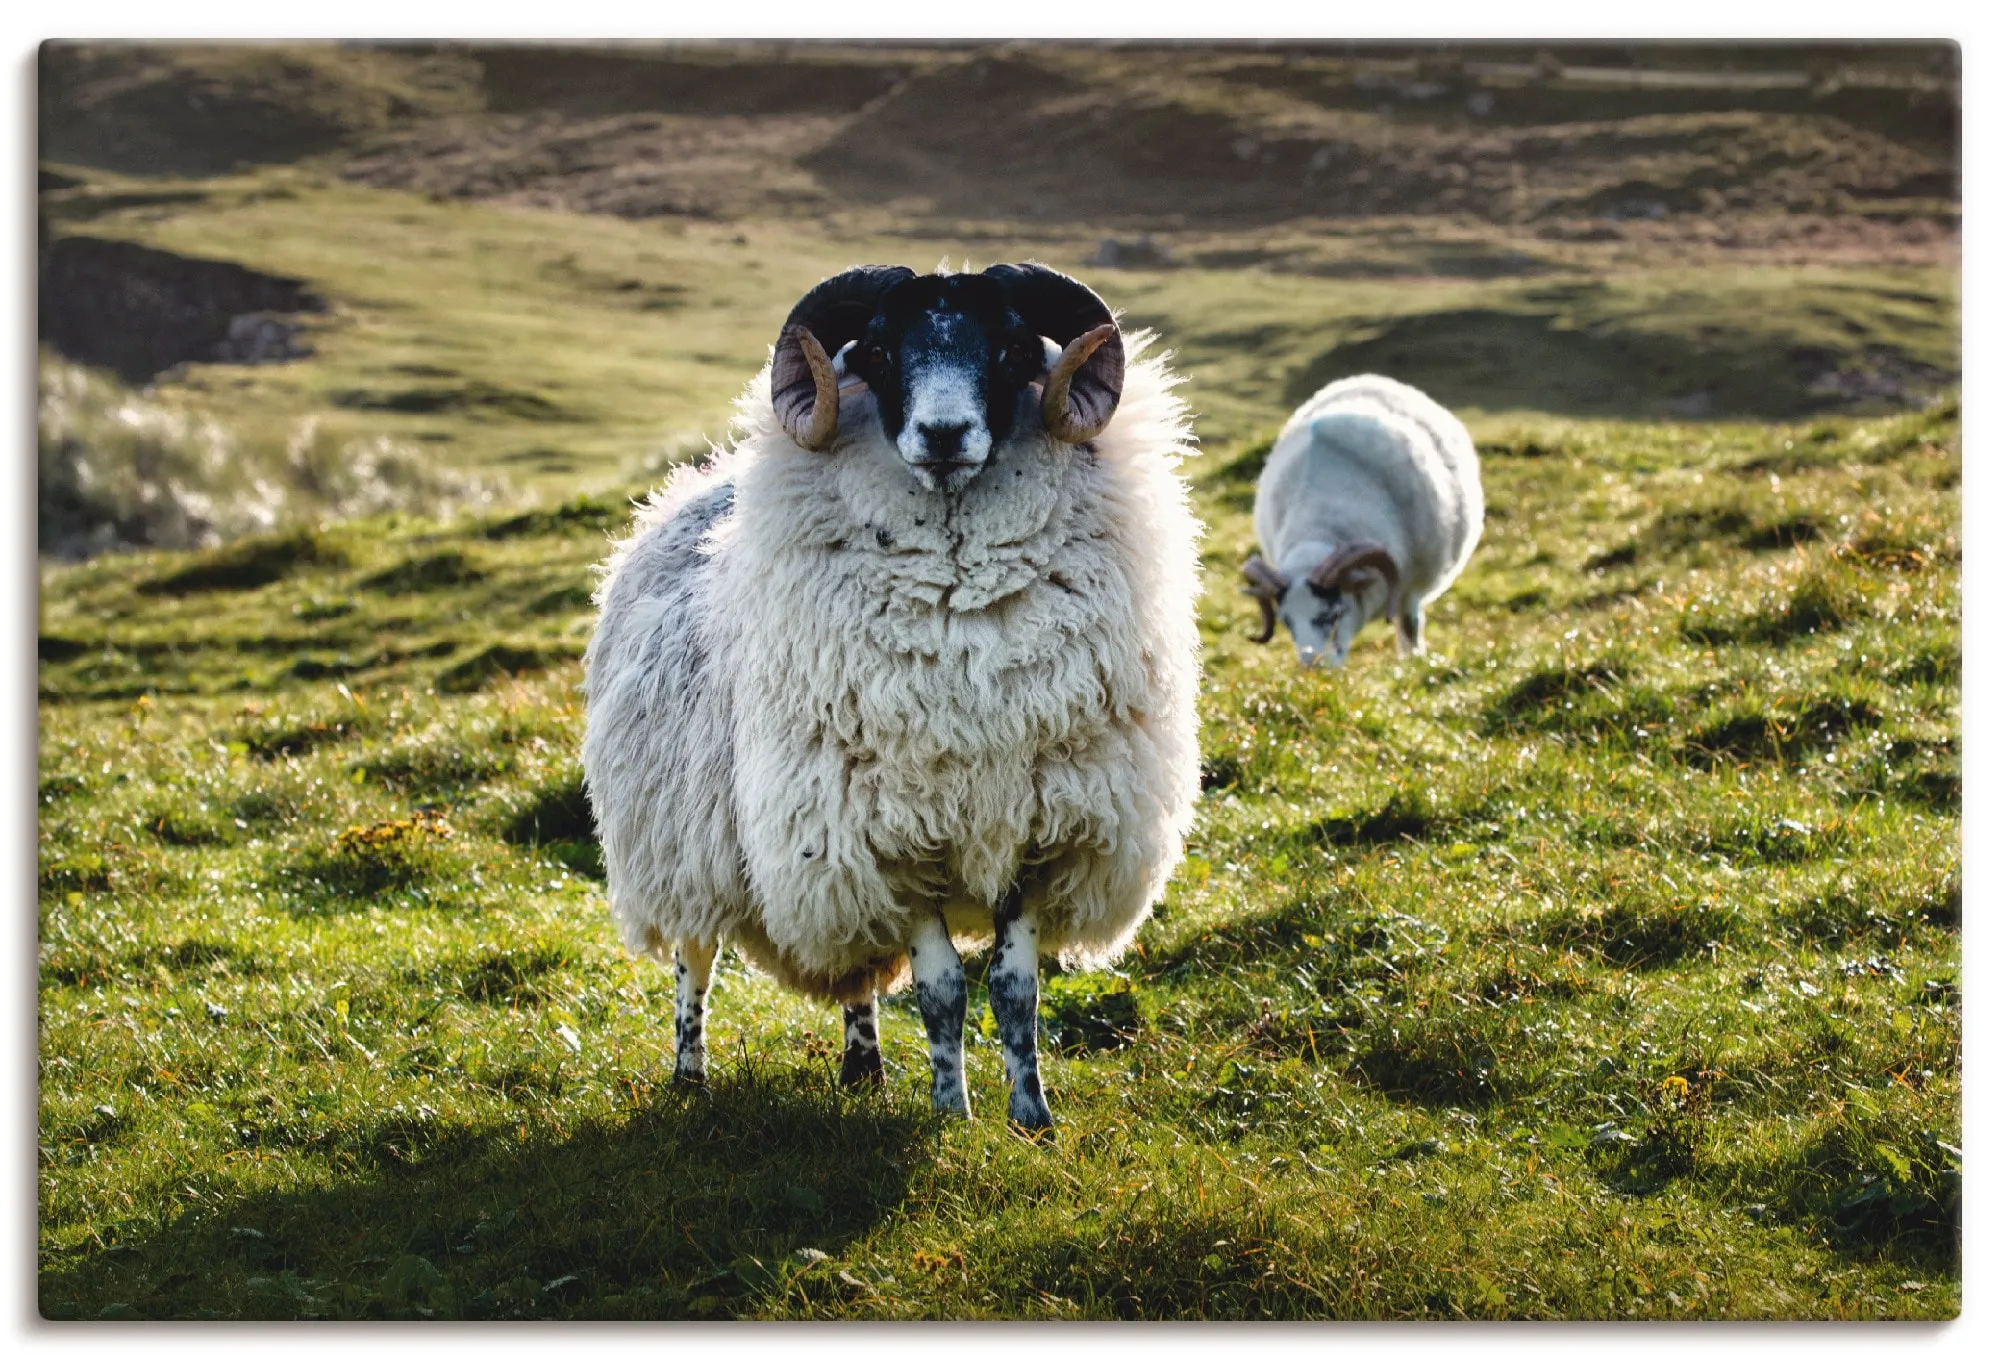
x=1083 y=386
x=1333 y=569
x=1266 y=587
x=805 y=391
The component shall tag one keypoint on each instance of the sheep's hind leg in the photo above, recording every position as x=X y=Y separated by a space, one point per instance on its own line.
x=1013 y=983
x=693 y=961
x=940 y=978
x=861 y=1057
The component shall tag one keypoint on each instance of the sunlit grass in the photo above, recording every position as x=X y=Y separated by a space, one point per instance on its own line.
x=1602 y=962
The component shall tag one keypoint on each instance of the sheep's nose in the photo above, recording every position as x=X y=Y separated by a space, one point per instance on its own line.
x=944 y=443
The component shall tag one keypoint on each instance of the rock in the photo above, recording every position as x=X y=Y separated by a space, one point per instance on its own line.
x=1144 y=253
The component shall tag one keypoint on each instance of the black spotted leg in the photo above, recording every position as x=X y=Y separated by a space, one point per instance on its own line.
x=1013 y=983
x=940 y=979
x=693 y=960
x=861 y=1056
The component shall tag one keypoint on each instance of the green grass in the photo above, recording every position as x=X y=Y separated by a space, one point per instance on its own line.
x=1603 y=962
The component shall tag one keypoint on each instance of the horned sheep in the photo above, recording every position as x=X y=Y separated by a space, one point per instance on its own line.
x=912 y=662
x=1368 y=506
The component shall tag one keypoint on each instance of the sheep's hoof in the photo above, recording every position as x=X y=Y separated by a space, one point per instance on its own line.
x=862 y=1068
x=1032 y=1120
x=1037 y=1127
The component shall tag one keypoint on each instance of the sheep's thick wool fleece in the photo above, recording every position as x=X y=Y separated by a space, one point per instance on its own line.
x=824 y=700
x=1369 y=457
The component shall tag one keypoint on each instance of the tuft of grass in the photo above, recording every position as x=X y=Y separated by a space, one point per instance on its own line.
x=364 y=861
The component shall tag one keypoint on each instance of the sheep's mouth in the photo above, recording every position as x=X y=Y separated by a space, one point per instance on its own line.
x=945 y=474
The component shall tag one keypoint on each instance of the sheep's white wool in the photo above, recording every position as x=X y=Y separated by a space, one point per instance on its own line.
x=1372 y=458
x=1366 y=460
x=825 y=701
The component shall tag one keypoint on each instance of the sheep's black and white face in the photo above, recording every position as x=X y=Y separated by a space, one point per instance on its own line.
x=947 y=360
x=1324 y=596
x=1323 y=622
x=950 y=359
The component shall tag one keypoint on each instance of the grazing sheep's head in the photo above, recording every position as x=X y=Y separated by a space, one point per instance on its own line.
x=1324 y=607
x=948 y=358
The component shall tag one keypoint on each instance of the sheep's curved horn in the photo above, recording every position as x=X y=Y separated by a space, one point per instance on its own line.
x=1335 y=567
x=1266 y=587
x=1082 y=389
x=805 y=391
x=1074 y=411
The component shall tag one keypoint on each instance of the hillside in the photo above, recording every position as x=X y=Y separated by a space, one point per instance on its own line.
x=1658 y=237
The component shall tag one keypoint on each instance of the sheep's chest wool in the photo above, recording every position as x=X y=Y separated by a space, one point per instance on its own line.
x=951 y=690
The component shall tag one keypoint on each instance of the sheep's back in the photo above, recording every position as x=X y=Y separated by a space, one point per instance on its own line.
x=1370 y=457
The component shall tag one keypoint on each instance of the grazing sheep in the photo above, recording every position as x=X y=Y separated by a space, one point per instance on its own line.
x=912 y=660
x=1368 y=507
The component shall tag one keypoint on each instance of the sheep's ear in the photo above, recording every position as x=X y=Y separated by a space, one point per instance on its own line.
x=805 y=385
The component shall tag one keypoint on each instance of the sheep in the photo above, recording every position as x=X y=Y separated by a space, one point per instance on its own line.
x=1368 y=506
x=912 y=659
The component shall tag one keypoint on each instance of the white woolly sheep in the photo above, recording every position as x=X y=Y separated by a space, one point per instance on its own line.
x=1368 y=506
x=913 y=660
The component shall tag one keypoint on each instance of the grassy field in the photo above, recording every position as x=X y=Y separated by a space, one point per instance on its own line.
x=1603 y=962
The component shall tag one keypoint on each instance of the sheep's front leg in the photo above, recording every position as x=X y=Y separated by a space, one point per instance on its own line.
x=1013 y=983
x=1410 y=629
x=693 y=961
x=861 y=1056
x=940 y=978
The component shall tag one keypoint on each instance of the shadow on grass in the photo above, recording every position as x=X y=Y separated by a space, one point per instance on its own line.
x=700 y=1202
x=1406 y=814
x=1742 y=737
x=498 y=661
x=557 y=820
x=249 y=565
x=1641 y=933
